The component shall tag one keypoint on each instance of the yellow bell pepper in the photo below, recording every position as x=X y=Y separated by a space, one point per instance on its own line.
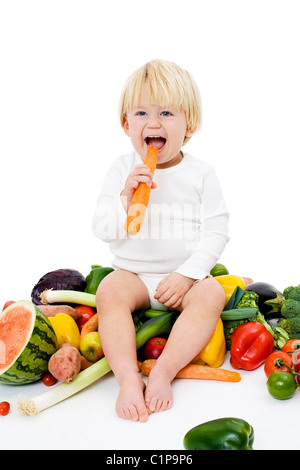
x=214 y=352
x=229 y=282
x=66 y=329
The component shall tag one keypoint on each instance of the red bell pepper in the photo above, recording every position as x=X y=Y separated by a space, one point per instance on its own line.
x=251 y=344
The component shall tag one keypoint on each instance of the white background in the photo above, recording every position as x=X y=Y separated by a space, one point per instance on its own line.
x=63 y=65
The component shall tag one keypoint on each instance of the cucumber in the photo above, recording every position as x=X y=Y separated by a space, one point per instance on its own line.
x=155 y=326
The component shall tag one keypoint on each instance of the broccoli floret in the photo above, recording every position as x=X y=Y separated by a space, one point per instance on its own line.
x=249 y=300
x=290 y=311
x=292 y=293
x=290 y=308
x=290 y=325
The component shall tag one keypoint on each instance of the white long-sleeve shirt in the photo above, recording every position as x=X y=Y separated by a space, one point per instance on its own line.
x=186 y=224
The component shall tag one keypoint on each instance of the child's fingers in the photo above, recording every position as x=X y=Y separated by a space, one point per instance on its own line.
x=160 y=290
x=143 y=179
x=165 y=296
x=174 y=301
x=142 y=170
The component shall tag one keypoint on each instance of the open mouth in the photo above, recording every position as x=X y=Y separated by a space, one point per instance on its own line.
x=156 y=141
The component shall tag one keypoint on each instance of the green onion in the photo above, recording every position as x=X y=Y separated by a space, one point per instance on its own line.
x=62 y=391
x=50 y=296
x=239 y=313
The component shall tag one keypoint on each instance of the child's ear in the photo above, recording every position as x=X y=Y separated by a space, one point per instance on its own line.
x=126 y=127
x=189 y=132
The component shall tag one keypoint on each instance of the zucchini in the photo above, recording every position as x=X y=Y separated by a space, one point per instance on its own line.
x=155 y=326
x=150 y=313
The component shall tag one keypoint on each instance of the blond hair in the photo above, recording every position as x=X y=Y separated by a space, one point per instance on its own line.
x=169 y=85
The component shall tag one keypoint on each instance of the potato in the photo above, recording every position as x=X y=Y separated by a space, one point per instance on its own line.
x=65 y=363
x=52 y=310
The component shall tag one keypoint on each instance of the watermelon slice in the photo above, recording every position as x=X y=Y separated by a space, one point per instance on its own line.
x=27 y=341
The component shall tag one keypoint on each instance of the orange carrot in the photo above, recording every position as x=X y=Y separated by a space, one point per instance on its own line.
x=194 y=371
x=89 y=326
x=140 y=200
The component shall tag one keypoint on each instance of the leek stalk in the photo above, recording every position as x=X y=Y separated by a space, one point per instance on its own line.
x=62 y=391
x=50 y=296
x=239 y=313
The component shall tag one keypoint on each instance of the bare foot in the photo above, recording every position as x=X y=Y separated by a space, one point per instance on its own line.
x=158 y=394
x=130 y=403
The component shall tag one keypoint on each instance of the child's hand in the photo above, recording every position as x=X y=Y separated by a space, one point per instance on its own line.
x=140 y=174
x=171 y=290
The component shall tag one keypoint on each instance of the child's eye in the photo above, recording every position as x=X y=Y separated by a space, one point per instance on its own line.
x=165 y=113
x=141 y=113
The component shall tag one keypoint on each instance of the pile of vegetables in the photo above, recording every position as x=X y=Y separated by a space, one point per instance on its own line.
x=69 y=303
x=252 y=310
x=271 y=336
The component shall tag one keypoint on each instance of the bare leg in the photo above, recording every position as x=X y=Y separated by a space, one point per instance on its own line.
x=200 y=310
x=119 y=294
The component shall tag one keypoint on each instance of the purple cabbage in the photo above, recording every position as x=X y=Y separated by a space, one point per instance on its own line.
x=60 y=279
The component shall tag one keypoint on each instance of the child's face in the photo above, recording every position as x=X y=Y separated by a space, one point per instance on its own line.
x=164 y=127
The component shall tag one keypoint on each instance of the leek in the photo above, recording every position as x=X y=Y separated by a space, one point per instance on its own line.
x=50 y=296
x=62 y=391
x=239 y=313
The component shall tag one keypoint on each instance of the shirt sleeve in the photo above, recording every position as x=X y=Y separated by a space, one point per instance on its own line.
x=110 y=216
x=213 y=229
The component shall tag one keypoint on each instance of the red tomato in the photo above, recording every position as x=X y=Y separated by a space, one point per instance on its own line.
x=9 y=302
x=49 y=380
x=274 y=362
x=154 y=347
x=4 y=408
x=86 y=312
x=290 y=347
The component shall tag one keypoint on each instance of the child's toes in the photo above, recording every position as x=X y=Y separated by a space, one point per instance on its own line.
x=166 y=405
x=159 y=405
x=133 y=413
x=143 y=415
x=151 y=404
x=121 y=413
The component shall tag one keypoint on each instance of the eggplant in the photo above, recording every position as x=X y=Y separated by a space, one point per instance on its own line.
x=270 y=298
x=60 y=279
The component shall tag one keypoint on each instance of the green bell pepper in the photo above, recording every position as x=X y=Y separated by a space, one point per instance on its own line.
x=220 y=434
x=94 y=278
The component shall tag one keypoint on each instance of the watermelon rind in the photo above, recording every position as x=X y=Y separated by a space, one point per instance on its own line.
x=32 y=362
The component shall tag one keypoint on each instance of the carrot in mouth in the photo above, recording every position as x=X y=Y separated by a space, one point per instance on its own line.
x=140 y=200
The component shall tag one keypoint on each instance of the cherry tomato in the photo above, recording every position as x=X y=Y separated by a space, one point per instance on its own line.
x=276 y=361
x=9 y=302
x=154 y=347
x=4 y=408
x=290 y=347
x=49 y=380
x=86 y=312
